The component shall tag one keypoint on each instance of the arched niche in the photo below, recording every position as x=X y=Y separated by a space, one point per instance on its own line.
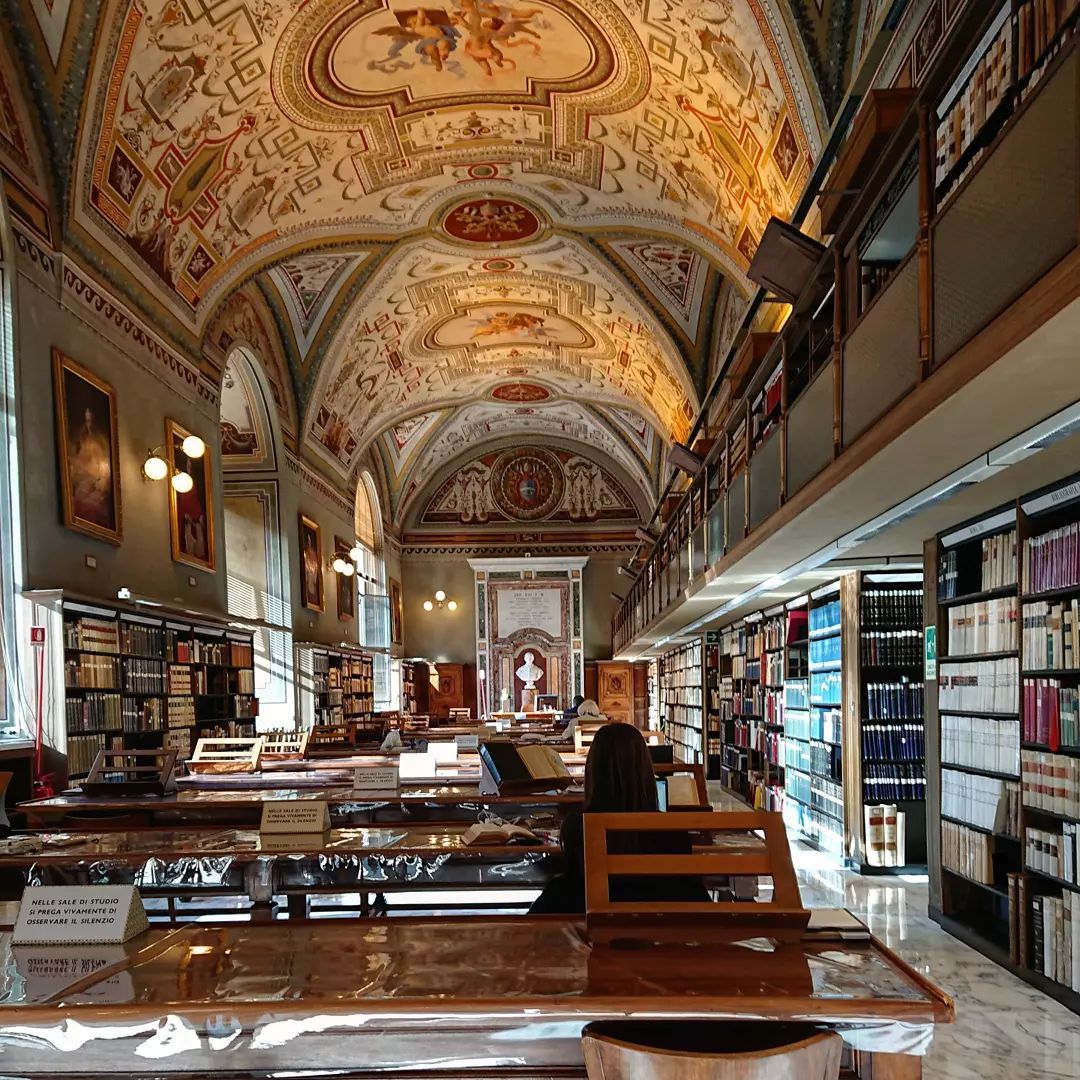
x=256 y=548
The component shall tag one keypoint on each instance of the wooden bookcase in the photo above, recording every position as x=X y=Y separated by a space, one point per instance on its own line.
x=135 y=677
x=718 y=695
x=682 y=705
x=409 y=702
x=1004 y=736
x=336 y=685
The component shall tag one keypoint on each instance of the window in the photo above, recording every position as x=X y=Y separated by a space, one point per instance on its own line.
x=374 y=600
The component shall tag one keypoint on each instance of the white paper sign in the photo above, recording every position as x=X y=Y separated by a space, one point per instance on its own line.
x=529 y=609
x=79 y=915
x=444 y=753
x=377 y=778
x=417 y=766
x=295 y=817
x=467 y=742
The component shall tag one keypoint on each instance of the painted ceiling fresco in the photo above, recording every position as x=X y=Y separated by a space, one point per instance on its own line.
x=412 y=452
x=422 y=204
x=529 y=485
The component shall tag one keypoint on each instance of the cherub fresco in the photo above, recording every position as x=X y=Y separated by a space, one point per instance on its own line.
x=518 y=324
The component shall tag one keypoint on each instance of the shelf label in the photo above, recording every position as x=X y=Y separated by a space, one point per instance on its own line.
x=930 y=655
x=293 y=818
x=370 y=779
x=79 y=915
x=467 y=742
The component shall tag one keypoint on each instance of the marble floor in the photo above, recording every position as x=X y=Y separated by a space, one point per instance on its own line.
x=1004 y=1030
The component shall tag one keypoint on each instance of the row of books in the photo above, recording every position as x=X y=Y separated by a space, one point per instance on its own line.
x=179 y=740
x=967 y=852
x=222 y=653
x=181 y=712
x=1051 y=782
x=983 y=801
x=137 y=639
x=1052 y=853
x=83 y=749
x=179 y=679
x=901 y=700
x=92 y=635
x=1051 y=635
x=796 y=693
x=897 y=742
x=982 y=627
x=979 y=686
x=1055 y=937
x=889 y=608
x=1038 y=23
x=749 y=733
x=1052 y=560
x=826 y=761
x=902 y=783
x=891 y=648
x=981 y=742
x=987 y=86
x=997 y=568
x=97 y=672
x=92 y=712
x=230 y=729
x=145 y=715
x=885 y=835
x=825 y=688
x=825 y=619
x=825 y=652
x=144 y=676
x=1051 y=713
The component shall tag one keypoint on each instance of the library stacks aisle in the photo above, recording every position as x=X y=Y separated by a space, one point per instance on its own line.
x=540 y=541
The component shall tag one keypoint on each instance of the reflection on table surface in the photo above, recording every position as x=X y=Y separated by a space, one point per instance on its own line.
x=478 y=961
x=141 y=844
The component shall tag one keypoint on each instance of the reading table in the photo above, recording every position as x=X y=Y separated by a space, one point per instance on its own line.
x=483 y=996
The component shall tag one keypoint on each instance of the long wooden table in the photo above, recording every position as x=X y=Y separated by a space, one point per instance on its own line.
x=73 y=811
x=456 y=997
x=241 y=862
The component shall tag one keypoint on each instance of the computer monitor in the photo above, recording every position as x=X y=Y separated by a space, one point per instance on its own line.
x=661 y=794
x=662 y=755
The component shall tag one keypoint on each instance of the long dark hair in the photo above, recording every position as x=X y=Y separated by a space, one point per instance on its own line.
x=619 y=775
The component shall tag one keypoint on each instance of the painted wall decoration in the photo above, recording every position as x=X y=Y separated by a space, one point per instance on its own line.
x=526 y=485
x=397 y=619
x=491 y=221
x=191 y=513
x=311 y=565
x=87 y=442
x=521 y=392
x=245 y=440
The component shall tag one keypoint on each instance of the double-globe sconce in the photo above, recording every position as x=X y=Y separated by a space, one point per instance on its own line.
x=340 y=564
x=440 y=602
x=156 y=466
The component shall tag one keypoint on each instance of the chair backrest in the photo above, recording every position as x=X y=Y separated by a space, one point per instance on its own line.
x=687 y=1051
x=750 y=844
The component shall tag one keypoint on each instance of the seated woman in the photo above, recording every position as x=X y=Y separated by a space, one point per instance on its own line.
x=619 y=779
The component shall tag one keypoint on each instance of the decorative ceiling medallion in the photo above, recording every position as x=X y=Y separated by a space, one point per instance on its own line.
x=491 y=222
x=339 y=56
x=527 y=483
x=520 y=391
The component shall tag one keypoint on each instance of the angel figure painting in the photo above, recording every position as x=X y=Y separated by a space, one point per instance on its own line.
x=461 y=47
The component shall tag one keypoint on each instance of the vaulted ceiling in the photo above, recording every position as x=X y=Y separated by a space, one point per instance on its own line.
x=435 y=215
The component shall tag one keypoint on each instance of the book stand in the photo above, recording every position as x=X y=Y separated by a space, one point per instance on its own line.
x=783 y=917
x=135 y=773
x=285 y=745
x=226 y=756
x=331 y=735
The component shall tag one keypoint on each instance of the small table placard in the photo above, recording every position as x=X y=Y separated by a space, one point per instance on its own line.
x=79 y=915
x=292 y=818
x=370 y=779
x=467 y=742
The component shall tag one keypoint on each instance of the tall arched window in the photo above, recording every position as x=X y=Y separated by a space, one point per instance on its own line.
x=373 y=595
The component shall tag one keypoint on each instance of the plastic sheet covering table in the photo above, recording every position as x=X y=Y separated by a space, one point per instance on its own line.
x=73 y=811
x=238 y=861
x=457 y=995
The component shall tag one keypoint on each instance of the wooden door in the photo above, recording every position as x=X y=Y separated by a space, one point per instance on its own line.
x=615 y=690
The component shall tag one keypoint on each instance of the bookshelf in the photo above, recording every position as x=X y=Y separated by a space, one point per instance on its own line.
x=136 y=681
x=337 y=686
x=409 y=702
x=1005 y=65
x=1005 y=721
x=681 y=694
x=719 y=691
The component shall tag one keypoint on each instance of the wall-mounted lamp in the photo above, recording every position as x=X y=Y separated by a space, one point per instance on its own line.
x=440 y=601
x=342 y=566
x=156 y=465
x=356 y=553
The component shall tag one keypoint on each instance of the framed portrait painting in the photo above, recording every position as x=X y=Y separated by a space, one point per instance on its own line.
x=346 y=584
x=311 y=568
x=86 y=436
x=191 y=512
x=396 y=627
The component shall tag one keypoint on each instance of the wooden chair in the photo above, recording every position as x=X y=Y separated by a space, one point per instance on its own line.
x=755 y=845
x=681 y=1050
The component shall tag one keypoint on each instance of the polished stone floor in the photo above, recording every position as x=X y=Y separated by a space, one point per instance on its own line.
x=1004 y=1030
